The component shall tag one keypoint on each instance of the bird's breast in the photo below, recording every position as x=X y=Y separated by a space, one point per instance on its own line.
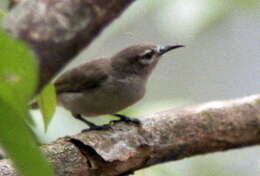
x=110 y=97
x=128 y=90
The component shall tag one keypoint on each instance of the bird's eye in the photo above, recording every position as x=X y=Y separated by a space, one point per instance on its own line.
x=148 y=54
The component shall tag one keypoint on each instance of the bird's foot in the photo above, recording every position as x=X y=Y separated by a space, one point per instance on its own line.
x=123 y=118
x=91 y=125
x=97 y=128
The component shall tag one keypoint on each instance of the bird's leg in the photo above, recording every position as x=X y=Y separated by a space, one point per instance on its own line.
x=124 y=118
x=91 y=125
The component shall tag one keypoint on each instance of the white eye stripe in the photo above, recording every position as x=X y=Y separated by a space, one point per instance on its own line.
x=146 y=52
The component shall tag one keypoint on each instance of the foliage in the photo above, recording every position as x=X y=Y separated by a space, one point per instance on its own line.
x=47 y=104
x=18 y=80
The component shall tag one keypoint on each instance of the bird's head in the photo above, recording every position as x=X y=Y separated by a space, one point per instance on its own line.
x=140 y=59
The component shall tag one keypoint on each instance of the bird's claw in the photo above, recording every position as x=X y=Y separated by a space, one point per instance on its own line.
x=126 y=119
x=97 y=128
x=92 y=126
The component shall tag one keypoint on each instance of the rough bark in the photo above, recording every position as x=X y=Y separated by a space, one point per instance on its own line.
x=164 y=136
x=57 y=30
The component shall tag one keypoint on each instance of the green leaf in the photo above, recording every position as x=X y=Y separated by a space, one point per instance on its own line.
x=18 y=141
x=18 y=79
x=47 y=104
x=17 y=67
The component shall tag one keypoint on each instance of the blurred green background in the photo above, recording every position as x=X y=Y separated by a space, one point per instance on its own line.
x=221 y=60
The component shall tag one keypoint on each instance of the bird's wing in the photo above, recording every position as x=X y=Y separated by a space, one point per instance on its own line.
x=83 y=78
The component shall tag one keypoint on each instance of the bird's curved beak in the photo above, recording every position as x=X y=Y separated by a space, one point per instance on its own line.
x=165 y=49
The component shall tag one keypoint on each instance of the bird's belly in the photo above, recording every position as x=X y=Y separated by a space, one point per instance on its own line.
x=103 y=101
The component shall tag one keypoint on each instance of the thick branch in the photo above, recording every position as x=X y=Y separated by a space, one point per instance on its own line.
x=163 y=136
x=58 y=30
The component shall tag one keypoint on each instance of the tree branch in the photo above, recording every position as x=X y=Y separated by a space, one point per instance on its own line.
x=163 y=136
x=58 y=30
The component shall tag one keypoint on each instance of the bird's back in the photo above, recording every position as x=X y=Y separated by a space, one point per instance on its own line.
x=102 y=91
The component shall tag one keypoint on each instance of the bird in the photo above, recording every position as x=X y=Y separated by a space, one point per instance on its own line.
x=109 y=84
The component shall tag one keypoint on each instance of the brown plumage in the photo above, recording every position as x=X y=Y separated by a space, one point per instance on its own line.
x=108 y=85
